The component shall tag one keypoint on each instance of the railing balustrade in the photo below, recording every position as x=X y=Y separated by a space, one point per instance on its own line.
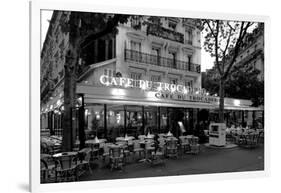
x=140 y=57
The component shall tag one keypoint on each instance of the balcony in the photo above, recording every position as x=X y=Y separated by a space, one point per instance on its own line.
x=156 y=30
x=135 y=56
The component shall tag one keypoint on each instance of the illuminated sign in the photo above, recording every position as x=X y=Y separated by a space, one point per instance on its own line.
x=148 y=85
x=163 y=90
x=187 y=97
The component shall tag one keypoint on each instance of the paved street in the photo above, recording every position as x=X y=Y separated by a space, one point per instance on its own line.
x=210 y=160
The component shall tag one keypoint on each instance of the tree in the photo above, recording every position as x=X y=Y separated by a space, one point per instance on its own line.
x=243 y=83
x=223 y=40
x=82 y=29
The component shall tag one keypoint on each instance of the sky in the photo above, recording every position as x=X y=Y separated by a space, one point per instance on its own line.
x=45 y=18
x=207 y=61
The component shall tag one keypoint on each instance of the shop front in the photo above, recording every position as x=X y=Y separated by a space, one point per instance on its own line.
x=114 y=109
x=117 y=107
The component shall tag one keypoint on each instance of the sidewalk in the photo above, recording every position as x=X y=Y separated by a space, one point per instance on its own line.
x=209 y=160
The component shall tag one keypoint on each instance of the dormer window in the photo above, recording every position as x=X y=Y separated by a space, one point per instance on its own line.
x=188 y=36
x=136 y=22
x=172 y=25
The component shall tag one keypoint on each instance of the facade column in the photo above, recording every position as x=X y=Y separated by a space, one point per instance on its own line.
x=125 y=119
x=254 y=117
x=158 y=119
x=242 y=112
x=105 y=121
x=95 y=51
x=113 y=48
x=106 y=49
x=143 y=123
x=168 y=119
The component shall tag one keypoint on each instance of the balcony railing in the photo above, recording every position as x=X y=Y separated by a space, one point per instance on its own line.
x=140 y=57
x=156 y=30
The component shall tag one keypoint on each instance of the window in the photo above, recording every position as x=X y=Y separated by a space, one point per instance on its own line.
x=156 y=56
x=188 y=84
x=136 y=23
x=109 y=72
x=173 y=81
x=136 y=46
x=136 y=77
x=172 y=62
x=172 y=25
x=188 y=36
x=189 y=63
x=94 y=119
x=155 y=78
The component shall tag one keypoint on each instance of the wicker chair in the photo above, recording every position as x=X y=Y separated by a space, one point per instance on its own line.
x=157 y=157
x=43 y=171
x=126 y=151
x=194 y=145
x=116 y=157
x=184 y=144
x=47 y=169
x=83 y=164
x=138 y=149
x=261 y=138
x=172 y=148
x=105 y=152
x=149 y=148
x=162 y=145
x=249 y=140
x=66 y=169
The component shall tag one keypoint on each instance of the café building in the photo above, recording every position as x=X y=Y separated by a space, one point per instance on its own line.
x=142 y=79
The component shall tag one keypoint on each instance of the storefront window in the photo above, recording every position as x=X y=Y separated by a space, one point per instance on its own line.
x=95 y=120
x=150 y=117
x=115 y=121
x=134 y=120
x=163 y=120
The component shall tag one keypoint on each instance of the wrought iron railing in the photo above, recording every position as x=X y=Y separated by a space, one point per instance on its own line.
x=140 y=57
x=157 y=30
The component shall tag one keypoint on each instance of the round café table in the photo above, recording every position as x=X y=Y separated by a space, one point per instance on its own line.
x=61 y=157
x=65 y=154
x=148 y=149
x=128 y=138
x=95 y=147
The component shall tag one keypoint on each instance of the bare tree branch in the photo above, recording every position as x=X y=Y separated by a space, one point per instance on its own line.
x=216 y=48
x=212 y=32
x=227 y=44
x=242 y=33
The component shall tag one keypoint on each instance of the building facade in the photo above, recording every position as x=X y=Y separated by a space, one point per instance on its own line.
x=144 y=78
x=252 y=52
